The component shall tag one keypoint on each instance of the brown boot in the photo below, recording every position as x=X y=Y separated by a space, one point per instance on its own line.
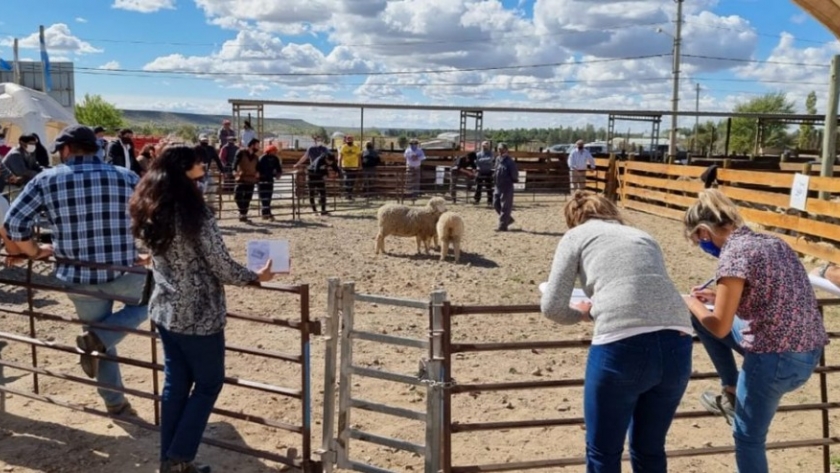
x=89 y=343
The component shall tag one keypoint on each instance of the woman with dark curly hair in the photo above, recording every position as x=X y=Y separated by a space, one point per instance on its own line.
x=191 y=265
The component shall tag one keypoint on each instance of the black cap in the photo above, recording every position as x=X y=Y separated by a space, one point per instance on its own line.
x=75 y=134
x=99 y=129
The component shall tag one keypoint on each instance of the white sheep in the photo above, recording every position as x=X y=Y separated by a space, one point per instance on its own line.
x=450 y=229
x=404 y=221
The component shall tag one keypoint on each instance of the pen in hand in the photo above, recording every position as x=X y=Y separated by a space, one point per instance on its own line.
x=706 y=284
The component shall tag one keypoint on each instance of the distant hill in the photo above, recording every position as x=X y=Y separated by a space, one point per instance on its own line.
x=137 y=118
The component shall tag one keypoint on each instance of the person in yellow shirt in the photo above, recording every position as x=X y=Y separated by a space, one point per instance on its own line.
x=350 y=160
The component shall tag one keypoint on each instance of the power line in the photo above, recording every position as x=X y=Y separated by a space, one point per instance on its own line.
x=756 y=61
x=766 y=35
x=381 y=73
x=544 y=84
x=373 y=45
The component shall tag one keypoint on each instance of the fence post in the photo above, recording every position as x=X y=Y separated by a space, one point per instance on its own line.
x=348 y=297
x=2 y=380
x=328 y=451
x=826 y=422
x=434 y=386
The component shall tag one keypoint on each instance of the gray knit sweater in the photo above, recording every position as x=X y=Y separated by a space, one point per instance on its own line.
x=622 y=270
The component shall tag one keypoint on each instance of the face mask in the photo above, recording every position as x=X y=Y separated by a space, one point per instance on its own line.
x=30 y=148
x=709 y=247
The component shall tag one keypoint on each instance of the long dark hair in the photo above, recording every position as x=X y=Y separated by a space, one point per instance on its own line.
x=167 y=202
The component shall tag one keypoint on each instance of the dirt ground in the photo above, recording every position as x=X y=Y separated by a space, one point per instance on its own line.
x=497 y=268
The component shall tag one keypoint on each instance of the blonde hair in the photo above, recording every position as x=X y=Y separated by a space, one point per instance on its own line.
x=712 y=211
x=586 y=205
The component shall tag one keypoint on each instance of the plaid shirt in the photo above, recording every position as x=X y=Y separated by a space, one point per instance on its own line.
x=86 y=203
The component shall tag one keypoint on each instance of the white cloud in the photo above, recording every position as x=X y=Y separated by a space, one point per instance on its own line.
x=144 y=6
x=81 y=20
x=110 y=65
x=590 y=41
x=795 y=71
x=799 y=18
x=58 y=37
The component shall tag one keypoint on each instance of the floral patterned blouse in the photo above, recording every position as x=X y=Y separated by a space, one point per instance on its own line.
x=778 y=301
x=189 y=295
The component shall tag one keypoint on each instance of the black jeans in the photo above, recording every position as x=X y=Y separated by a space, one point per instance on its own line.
x=266 y=191
x=350 y=176
x=317 y=184
x=484 y=181
x=368 y=181
x=243 y=195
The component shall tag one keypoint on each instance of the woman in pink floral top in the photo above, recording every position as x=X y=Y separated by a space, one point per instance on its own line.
x=778 y=329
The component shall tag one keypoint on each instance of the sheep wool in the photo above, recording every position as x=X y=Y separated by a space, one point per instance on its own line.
x=404 y=221
x=450 y=230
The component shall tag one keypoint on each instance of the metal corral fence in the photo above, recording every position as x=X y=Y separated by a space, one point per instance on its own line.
x=32 y=282
x=292 y=196
x=455 y=388
x=342 y=304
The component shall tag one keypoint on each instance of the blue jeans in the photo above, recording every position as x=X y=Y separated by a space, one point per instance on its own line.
x=191 y=363
x=763 y=380
x=634 y=385
x=101 y=310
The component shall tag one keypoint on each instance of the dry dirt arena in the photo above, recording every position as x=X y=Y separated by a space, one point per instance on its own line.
x=496 y=269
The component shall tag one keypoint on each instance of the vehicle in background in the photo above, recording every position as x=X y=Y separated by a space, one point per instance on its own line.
x=597 y=147
x=558 y=149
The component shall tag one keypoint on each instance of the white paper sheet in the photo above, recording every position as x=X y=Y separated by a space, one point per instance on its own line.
x=824 y=284
x=259 y=251
x=577 y=294
x=799 y=191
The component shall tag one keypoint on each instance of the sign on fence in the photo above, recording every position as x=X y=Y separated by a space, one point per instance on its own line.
x=799 y=191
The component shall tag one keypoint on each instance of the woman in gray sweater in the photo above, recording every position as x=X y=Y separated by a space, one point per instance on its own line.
x=191 y=265
x=640 y=359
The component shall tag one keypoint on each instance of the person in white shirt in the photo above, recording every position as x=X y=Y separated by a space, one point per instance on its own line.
x=414 y=157
x=579 y=160
x=248 y=133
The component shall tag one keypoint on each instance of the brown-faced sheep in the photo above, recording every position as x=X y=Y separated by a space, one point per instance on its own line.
x=403 y=221
x=450 y=229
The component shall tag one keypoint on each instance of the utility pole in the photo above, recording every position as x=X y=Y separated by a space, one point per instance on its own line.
x=44 y=65
x=16 y=73
x=672 y=145
x=829 y=153
x=696 y=119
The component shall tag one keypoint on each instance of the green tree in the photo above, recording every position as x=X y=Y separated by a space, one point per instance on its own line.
x=806 y=131
x=95 y=111
x=743 y=132
x=402 y=141
x=322 y=134
x=187 y=132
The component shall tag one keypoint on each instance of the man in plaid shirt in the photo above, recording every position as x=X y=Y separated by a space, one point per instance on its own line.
x=85 y=202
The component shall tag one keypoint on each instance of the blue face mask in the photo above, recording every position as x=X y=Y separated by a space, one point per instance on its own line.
x=709 y=247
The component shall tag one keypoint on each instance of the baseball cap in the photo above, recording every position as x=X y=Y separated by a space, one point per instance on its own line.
x=203 y=137
x=99 y=129
x=271 y=149
x=75 y=134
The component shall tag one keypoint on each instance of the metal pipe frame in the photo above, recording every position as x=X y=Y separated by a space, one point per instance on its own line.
x=303 y=325
x=449 y=427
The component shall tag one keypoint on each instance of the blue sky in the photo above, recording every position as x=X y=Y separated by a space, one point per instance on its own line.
x=144 y=53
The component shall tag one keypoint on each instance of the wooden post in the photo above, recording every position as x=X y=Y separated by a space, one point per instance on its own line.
x=345 y=375
x=829 y=149
x=328 y=450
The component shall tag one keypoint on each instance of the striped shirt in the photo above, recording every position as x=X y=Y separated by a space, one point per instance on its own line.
x=85 y=202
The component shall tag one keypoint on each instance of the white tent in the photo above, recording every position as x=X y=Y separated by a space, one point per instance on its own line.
x=23 y=111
